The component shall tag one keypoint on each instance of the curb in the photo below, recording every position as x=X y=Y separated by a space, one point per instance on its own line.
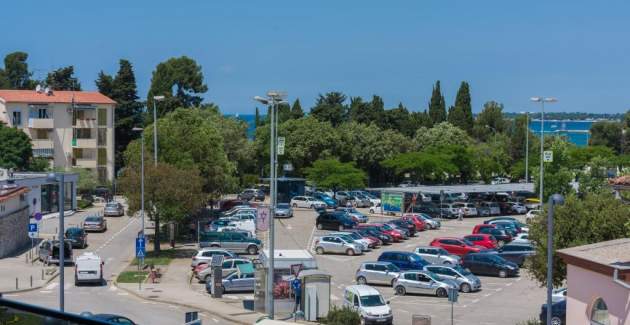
x=33 y=288
x=214 y=313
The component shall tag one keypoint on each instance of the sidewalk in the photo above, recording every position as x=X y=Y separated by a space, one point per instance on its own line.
x=17 y=274
x=174 y=288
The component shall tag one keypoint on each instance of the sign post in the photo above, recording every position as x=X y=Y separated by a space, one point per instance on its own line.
x=32 y=232
x=140 y=249
x=281 y=142
x=453 y=294
x=548 y=156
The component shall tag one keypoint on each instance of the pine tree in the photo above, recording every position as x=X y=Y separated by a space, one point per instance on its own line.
x=463 y=102
x=296 y=110
x=63 y=79
x=257 y=121
x=437 y=105
x=105 y=84
x=16 y=71
x=457 y=117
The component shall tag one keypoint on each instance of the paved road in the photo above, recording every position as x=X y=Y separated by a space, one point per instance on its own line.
x=116 y=247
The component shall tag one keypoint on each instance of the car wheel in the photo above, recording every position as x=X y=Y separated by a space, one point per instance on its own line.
x=392 y=283
x=311 y=206
x=340 y=228
x=401 y=291
x=350 y=252
x=207 y=278
x=555 y=320
x=319 y=250
x=447 y=263
x=361 y=280
x=252 y=250
x=320 y=226
x=441 y=292
x=503 y=274
x=372 y=211
x=294 y=205
x=465 y=287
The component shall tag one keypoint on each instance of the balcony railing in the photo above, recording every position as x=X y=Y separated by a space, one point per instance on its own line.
x=84 y=162
x=41 y=123
x=84 y=143
x=42 y=144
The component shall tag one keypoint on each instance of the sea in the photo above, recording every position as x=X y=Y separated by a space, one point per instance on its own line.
x=576 y=131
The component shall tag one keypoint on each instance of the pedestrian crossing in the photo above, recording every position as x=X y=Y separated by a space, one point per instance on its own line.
x=71 y=289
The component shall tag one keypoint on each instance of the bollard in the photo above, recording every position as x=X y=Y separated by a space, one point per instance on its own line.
x=16 y=284
x=31 y=281
x=42 y=274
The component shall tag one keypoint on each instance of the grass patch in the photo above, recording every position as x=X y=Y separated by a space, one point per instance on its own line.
x=163 y=258
x=132 y=276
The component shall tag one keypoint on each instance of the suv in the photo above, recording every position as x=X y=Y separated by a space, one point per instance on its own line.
x=77 y=237
x=337 y=244
x=49 y=252
x=228 y=266
x=456 y=246
x=436 y=255
x=404 y=260
x=335 y=221
x=489 y=264
x=470 y=210
x=377 y=272
x=233 y=241
x=204 y=255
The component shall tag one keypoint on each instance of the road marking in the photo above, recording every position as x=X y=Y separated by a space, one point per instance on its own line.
x=43 y=291
x=52 y=286
x=215 y=320
x=509 y=284
x=311 y=240
x=498 y=289
x=487 y=295
x=122 y=294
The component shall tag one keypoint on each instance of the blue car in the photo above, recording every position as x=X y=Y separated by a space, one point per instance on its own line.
x=330 y=202
x=404 y=260
x=558 y=313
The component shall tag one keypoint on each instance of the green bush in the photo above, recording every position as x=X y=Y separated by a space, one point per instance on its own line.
x=342 y=316
x=84 y=204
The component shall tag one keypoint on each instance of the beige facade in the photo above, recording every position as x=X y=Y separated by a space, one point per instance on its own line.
x=72 y=129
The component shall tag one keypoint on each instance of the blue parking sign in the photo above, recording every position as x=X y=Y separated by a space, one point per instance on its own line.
x=32 y=227
x=140 y=252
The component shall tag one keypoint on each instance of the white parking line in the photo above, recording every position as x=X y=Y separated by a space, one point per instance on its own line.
x=311 y=240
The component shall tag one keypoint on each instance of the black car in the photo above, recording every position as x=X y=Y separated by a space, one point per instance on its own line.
x=335 y=220
x=77 y=237
x=489 y=264
x=386 y=239
x=558 y=313
x=252 y=194
x=431 y=210
x=500 y=235
x=516 y=253
x=400 y=223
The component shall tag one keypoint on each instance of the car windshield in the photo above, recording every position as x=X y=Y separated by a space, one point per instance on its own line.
x=112 y=205
x=392 y=268
x=346 y=239
x=461 y=270
x=355 y=235
x=415 y=258
x=73 y=231
x=283 y=205
x=372 y=301
x=433 y=276
x=387 y=227
x=468 y=242
x=496 y=259
x=93 y=218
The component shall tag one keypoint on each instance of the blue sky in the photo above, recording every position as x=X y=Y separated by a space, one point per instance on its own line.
x=577 y=51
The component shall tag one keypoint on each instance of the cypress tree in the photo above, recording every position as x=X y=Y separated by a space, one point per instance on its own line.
x=463 y=103
x=437 y=105
x=257 y=122
x=296 y=110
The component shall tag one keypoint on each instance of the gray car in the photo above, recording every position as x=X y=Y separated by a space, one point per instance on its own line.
x=114 y=209
x=284 y=210
x=422 y=282
x=336 y=244
x=437 y=255
x=377 y=273
x=95 y=223
x=466 y=281
x=430 y=222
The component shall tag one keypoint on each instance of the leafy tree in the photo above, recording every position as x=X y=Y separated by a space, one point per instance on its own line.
x=580 y=157
x=87 y=180
x=367 y=112
x=490 y=121
x=176 y=192
x=464 y=107
x=593 y=179
x=330 y=108
x=400 y=120
x=331 y=173
x=238 y=149
x=15 y=148
x=595 y=217
x=16 y=71
x=418 y=120
x=557 y=174
x=184 y=76
x=284 y=112
x=296 y=110
x=489 y=161
x=39 y=164
x=457 y=117
x=441 y=135
x=437 y=105
x=63 y=79
x=606 y=133
x=424 y=166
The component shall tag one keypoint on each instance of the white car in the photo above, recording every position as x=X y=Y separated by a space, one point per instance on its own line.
x=531 y=214
x=500 y=180
x=377 y=209
x=307 y=202
x=559 y=294
x=88 y=268
x=522 y=238
x=369 y=303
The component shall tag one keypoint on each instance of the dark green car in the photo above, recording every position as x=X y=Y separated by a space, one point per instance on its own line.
x=77 y=237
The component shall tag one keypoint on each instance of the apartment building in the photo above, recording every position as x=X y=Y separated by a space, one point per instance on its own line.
x=71 y=128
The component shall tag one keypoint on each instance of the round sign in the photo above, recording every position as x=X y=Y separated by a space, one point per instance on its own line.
x=38 y=216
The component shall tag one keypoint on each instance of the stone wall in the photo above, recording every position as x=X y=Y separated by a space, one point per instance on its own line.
x=14 y=232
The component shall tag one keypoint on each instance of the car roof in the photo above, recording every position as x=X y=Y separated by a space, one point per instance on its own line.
x=378 y=262
x=438 y=238
x=363 y=290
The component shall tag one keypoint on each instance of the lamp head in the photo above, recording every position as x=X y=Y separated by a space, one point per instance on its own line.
x=262 y=100
x=158 y=98
x=557 y=199
x=535 y=99
x=51 y=177
x=137 y=129
x=550 y=100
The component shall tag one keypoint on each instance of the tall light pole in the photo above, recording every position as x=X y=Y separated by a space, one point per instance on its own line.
x=155 y=100
x=542 y=102
x=273 y=99
x=554 y=200
x=141 y=130
x=59 y=179
x=526 y=146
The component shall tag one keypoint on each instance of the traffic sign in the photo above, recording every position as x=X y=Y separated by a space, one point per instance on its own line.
x=38 y=216
x=548 y=156
x=262 y=218
x=140 y=249
x=453 y=295
x=281 y=141
x=296 y=268
x=217 y=260
x=32 y=230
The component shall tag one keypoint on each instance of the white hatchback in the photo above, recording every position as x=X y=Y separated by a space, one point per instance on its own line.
x=308 y=202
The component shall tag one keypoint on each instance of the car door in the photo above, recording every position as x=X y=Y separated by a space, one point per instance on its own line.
x=484 y=265
x=451 y=246
x=425 y=284
x=411 y=282
x=471 y=263
x=227 y=268
x=379 y=273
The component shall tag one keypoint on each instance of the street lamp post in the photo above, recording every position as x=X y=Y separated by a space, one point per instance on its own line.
x=141 y=130
x=554 y=200
x=155 y=100
x=526 y=146
x=542 y=102
x=59 y=178
x=273 y=99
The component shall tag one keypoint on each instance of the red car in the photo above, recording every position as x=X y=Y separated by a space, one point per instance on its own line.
x=416 y=220
x=456 y=246
x=477 y=228
x=485 y=240
x=395 y=234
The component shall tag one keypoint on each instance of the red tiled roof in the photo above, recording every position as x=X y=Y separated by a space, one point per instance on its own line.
x=58 y=96
x=621 y=180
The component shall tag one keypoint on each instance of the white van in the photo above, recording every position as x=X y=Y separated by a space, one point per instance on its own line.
x=88 y=268
x=369 y=303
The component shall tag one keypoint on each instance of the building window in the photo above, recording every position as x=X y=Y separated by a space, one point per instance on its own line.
x=102 y=117
x=599 y=313
x=102 y=137
x=84 y=134
x=41 y=134
x=39 y=111
x=102 y=174
x=102 y=157
x=17 y=118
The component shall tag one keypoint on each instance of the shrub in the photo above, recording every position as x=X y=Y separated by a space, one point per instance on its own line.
x=342 y=316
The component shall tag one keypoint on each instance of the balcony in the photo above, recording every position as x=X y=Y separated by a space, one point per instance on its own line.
x=42 y=144
x=84 y=162
x=85 y=123
x=41 y=123
x=84 y=143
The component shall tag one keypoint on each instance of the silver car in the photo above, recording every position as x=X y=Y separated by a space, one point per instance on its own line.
x=437 y=255
x=355 y=238
x=204 y=255
x=466 y=281
x=95 y=223
x=430 y=222
x=377 y=272
x=284 y=210
x=229 y=266
x=422 y=282
x=114 y=209
x=235 y=282
x=336 y=244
